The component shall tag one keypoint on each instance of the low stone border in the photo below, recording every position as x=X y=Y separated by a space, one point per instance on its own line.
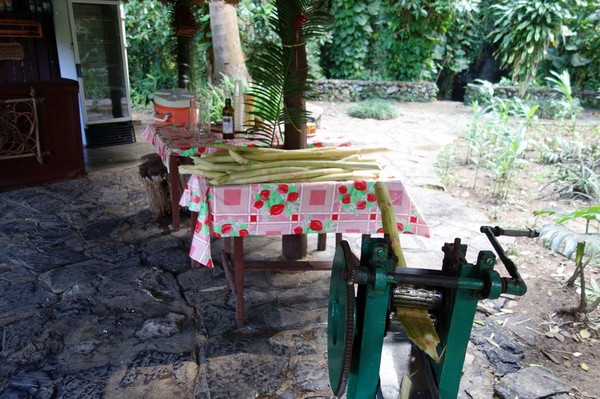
x=587 y=97
x=356 y=90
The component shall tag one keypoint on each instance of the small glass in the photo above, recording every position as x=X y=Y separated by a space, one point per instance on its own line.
x=193 y=115
x=203 y=117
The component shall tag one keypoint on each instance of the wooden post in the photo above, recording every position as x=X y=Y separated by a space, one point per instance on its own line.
x=294 y=246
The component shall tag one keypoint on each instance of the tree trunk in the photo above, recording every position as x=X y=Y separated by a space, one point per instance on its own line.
x=184 y=62
x=182 y=18
x=227 y=48
x=294 y=246
x=295 y=136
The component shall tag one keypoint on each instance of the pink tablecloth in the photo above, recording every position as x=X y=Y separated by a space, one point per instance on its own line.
x=169 y=140
x=294 y=208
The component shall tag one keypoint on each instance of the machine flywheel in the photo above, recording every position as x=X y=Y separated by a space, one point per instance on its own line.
x=341 y=325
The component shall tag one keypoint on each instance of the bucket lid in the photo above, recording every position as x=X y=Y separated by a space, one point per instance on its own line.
x=173 y=98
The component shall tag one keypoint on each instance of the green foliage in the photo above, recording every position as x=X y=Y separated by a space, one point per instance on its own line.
x=509 y=154
x=213 y=97
x=253 y=21
x=562 y=83
x=484 y=93
x=563 y=240
x=568 y=106
x=584 y=247
x=525 y=29
x=496 y=142
x=352 y=29
x=409 y=31
x=373 y=109
x=589 y=214
x=580 y=53
x=409 y=60
x=150 y=48
x=256 y=33
x=559 y=109
x=577 y=176
x=556 y=149
x=459 y=45
x=443 y=164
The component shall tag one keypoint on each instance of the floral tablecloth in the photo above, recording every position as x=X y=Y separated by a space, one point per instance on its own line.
x=169 y=140
x=294 y=208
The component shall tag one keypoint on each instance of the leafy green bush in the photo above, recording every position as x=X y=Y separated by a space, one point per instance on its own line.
x=559 y=109
x=348 y=56
x=150 y=48
x=575 y=171
x=373 y=109
x=482 y=93
x=523 y=32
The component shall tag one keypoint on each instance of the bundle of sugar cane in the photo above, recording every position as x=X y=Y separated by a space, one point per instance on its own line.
x=416 y=321
x=244 y=165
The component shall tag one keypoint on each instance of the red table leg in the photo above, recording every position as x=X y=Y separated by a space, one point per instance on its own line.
x=235 y=266
x=238 y=253
x=174 y=189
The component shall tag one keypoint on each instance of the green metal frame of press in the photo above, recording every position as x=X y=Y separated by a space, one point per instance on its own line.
x=364 y=293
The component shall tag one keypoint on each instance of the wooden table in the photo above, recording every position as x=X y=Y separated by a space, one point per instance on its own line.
x=238 y=211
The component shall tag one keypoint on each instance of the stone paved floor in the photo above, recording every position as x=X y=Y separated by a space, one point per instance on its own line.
x=98 y=299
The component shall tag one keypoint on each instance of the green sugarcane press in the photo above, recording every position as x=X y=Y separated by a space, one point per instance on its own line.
x=363 y=296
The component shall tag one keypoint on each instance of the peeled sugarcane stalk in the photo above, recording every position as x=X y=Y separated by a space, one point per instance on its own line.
x=255 y=149
x=248 y=174
x=192 y=169
x=416 y=322
x=321 y=153
x=260 y=165
x=313 y=163
x=290 y=177
x=352 y=175
x=238 y=158
x=317 y=153
x=202 y=164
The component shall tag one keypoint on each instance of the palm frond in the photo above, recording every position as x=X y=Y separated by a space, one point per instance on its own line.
x=272 y=82
x=563 y=240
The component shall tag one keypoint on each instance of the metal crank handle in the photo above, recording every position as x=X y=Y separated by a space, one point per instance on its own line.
x=515 y=285
x=499 y=231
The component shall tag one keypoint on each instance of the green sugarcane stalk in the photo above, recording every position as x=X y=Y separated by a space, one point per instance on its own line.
x=416 y=322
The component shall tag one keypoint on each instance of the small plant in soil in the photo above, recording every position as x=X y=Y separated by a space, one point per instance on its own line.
x=496 y=142
x=583 y=247
x=443 y=164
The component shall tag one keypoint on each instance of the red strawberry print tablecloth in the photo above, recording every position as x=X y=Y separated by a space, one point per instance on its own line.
x=294 y=208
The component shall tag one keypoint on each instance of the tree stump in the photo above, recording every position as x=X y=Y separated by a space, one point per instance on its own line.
x=155 y=179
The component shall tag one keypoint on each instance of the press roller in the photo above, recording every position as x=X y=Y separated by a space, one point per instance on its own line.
x=364 y=293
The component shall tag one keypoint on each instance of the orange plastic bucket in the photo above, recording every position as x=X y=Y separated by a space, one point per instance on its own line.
x=172 y=106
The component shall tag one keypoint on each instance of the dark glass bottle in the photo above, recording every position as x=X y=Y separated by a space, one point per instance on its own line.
x=228 y=111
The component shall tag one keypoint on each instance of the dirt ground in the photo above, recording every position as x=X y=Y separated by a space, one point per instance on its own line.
x=567 y=344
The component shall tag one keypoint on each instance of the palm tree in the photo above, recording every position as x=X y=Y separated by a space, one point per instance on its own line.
x=226 y=45
x=280 y=80
x=280 y=77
